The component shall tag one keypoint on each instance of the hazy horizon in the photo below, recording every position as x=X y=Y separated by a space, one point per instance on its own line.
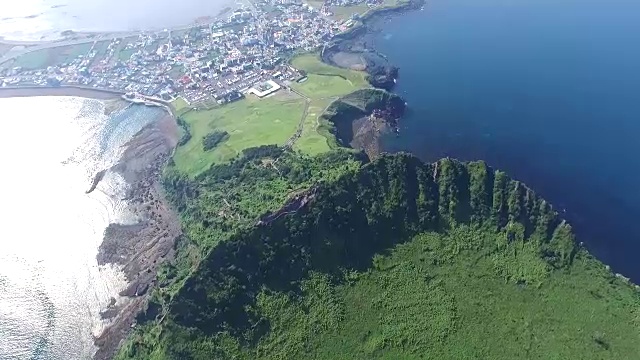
x=34 y=20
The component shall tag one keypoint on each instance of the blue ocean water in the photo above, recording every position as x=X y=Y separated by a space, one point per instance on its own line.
x=548 y=91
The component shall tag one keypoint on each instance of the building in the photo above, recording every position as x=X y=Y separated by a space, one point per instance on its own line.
x=264 y=89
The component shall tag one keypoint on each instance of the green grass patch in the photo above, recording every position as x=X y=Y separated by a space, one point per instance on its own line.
x=311 y=141
x=312 y=64
x=180 y=105
x=250 y=122
x=324 y=84
x=426 y=301
x=176 y=72
x=125 y=54
x=345 y=12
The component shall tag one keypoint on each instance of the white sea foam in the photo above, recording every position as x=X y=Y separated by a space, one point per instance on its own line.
x=51 y=287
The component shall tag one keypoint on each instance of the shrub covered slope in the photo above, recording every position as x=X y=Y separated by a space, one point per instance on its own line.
x=393 y=259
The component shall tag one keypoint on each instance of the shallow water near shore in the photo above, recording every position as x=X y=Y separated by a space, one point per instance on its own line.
x=51 y=288
x=547 y=91
x=34 y=20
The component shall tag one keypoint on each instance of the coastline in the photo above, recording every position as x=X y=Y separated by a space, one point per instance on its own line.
x=352 y=49
x=139 y=248
x=77 y=91
x=365 y=130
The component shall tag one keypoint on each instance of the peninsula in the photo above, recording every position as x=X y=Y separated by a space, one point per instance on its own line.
x=287 y=256
x=299 y=238
x=318 y=250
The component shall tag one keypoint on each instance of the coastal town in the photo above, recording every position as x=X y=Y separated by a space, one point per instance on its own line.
x=244 y=51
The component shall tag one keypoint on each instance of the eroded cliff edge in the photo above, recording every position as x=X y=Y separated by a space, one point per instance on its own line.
x=358 y=233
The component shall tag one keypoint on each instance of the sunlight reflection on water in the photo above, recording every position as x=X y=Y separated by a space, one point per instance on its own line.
x=51 y=288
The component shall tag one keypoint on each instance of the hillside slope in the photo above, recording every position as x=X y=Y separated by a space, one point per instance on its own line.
x=398 y=259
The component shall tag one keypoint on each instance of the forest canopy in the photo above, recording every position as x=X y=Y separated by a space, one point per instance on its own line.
x=287 y=256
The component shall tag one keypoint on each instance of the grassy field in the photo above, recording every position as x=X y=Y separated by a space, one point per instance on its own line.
x=180 y=105
x=427 y=300
x=345 y=12
x=253 y=122
x=312 y=64
x=311 y=141
x=250 y=122
x=125 y=54
x=324 y=84
x=40 y=59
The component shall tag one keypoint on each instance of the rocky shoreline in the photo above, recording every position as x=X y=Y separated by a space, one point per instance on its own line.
x=359 y=120
x=354 y=49
x=139 y=248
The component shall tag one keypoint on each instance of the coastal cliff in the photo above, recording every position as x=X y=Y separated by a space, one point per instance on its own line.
x=359 y=119
x=395 y=258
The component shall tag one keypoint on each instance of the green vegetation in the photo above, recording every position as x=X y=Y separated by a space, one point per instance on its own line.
x=346 y=12
x=180 y=105
x=393 y=259
x=185 y=131
x=324 y=84
x=125 y=54
x=249 y=122
x=40 y=59
x=313 y=140
x=285 y=255
x=253 y=122
x=312 y=65
x=211 y=140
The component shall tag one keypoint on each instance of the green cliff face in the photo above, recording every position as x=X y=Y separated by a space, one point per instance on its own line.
x=393 y=259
